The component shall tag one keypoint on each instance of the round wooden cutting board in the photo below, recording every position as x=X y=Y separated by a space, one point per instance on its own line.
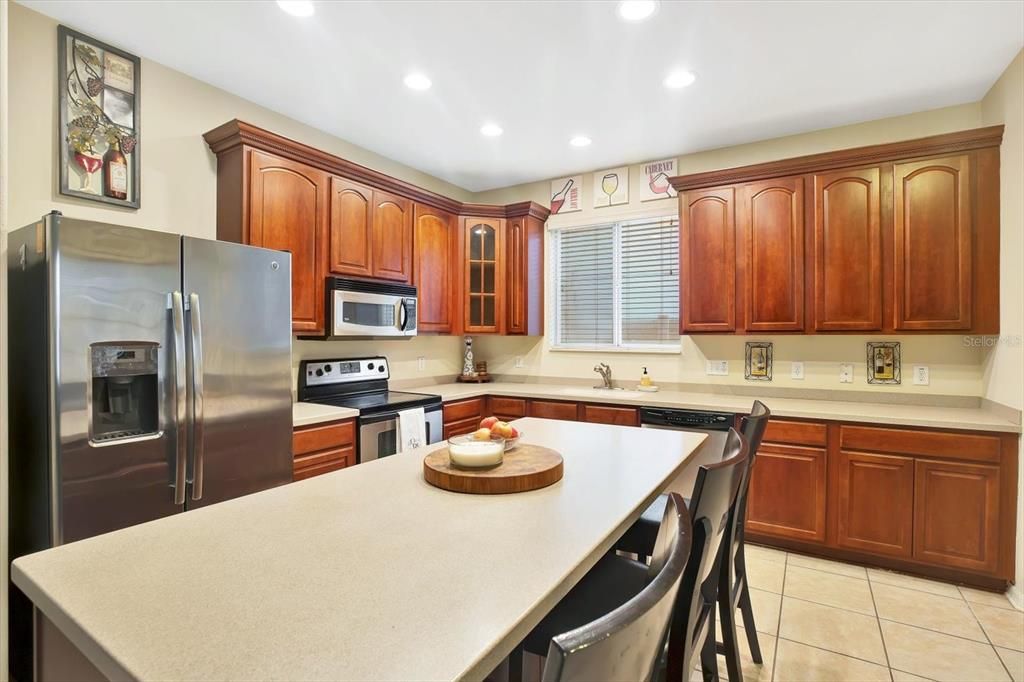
x=527 y=467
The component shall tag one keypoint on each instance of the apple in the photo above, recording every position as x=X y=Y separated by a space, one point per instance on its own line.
x=514 y=430
x=488 y=422
x=503 y=429
x=482 y=434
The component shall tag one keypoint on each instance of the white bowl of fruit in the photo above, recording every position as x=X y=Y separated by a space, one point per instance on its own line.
x=492 y=426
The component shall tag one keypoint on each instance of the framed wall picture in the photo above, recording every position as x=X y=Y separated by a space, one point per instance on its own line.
x=611 y=187
x=758 y=363
x=567 y=194
x=655 y=180
x=883 y=362
x=98 y=129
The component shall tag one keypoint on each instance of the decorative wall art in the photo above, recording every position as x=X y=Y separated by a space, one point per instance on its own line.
x=98 y=134
x=883 y=362
x=758 y=364
x=656 y=184
x=611 y=187
x=567 y=194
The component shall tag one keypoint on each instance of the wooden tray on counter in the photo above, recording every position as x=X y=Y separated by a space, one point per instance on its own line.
x=527 y=467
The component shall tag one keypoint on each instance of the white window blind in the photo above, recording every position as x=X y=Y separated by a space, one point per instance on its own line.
x=618 y=285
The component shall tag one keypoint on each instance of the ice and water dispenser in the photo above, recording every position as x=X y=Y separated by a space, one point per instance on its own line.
x=125 y=391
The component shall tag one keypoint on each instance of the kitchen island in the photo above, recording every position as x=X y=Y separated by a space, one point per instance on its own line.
x=365 y=573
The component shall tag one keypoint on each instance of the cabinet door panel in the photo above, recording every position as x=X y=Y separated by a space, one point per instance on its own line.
x=286 y=212
x=956 y=515
x=786 y=497
x=549 y=409
x=316 y=463
x=932 y=226
x=471 y=408
x=875 y=503
x=707 y=252
x=507 y=408
x=460 y=428
x=772 y=224
x=434 y=240
x=483 y=287
x=515 y=265
x=351 y=217
x=847 y=251
x=392 y=237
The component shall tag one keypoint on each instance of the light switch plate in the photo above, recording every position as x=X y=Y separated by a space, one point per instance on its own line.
x=519 y=362
x=421 y=363
x=717 y=368
x=796 y=371
x=921 y=375
x=846 y=373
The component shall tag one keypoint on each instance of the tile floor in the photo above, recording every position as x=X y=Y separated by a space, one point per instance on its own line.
x=824 y=621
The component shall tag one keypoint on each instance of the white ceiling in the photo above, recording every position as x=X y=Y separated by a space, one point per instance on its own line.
x=546 y=71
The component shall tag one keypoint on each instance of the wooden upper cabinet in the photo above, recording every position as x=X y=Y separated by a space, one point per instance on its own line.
x=771 y=218
x=847 y=251
x=392 y=237
x=287 y=209
x=435 y=240
x=524 y=267
x=483 y=285
x=351 y=217
x=707 y=252
x=351 y=211
x=932 y=239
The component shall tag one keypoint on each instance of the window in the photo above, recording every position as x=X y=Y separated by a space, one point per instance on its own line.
x=617 y=286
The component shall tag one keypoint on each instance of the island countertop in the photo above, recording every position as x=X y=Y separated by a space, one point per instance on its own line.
x=364 y=573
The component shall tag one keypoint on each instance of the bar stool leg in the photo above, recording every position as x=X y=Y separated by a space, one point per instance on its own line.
x=709 y=653
x=730 y=640
x=746 y=608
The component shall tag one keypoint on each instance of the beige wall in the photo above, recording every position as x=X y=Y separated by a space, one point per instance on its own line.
x=955 y=368
x=1004 y=371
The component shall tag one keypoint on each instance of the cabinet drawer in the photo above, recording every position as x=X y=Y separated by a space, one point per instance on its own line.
x=315 y=438
x=800 y=433
x=316 y=463
x=604 y=414
x=460 y=427
x=511 y=408
x=463 y=409
x=549 y=409
x=974 y=447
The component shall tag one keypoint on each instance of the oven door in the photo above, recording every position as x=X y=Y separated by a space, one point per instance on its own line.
x=378 y=435
x=357 y=313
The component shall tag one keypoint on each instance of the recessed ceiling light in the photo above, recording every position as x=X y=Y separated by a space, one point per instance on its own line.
x=491 y=130
x=297 y=8
x=417 y=81
x=637 y=10
x=580 y=141
x=680 y=79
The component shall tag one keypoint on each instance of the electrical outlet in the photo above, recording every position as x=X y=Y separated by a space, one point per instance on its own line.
x=717 y=368
x=421 y=363
x=796 y=371
x=519 y=362
x=921 y=377
x=846 y=374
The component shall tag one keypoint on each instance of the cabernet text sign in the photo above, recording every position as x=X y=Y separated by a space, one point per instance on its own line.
x=655 y=177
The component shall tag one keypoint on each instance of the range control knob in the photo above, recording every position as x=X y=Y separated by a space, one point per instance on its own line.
x=319 y=372
x=381 y=368
x=327 y=368
x=369 y=365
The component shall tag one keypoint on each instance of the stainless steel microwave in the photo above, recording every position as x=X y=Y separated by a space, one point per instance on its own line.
x=361 y=308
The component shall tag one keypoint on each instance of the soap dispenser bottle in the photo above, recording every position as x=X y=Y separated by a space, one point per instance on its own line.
x=645 y=378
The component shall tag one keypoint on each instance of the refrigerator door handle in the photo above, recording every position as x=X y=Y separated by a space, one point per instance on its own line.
x=180 y=412
x=198 y=419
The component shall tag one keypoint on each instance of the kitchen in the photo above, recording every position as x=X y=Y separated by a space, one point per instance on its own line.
x=883 y=505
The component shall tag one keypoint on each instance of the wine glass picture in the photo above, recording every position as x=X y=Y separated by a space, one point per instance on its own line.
x=611 y=187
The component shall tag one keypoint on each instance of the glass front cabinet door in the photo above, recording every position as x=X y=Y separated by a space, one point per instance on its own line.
x=484 y=285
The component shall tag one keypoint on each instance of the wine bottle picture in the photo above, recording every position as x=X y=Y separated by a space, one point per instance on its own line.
x=558 y=200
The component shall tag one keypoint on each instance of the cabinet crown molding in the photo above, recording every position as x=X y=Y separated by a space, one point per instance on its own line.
x=960 y=141
x=236 y=133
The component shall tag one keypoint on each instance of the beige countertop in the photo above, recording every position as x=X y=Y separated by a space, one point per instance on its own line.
x=305 y=414
x=976 y=419
x=364 y=573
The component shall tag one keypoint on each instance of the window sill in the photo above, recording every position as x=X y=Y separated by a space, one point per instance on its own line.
x=646 y=350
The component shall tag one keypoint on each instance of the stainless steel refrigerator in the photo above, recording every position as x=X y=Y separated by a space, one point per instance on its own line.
x=150 y=374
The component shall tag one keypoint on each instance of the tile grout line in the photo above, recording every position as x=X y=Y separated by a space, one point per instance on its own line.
x=837 y=653
x=778 y=624
x=989 y=640
x=878 y=624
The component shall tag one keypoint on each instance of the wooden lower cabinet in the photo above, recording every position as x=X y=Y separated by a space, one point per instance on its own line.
x=322 y=448
x=506 y=409
x=606 y=414
x=462 y=416
x=875 y=503
x=786 y=497
x=956 y=515
x=551 y=409
x=461 y=427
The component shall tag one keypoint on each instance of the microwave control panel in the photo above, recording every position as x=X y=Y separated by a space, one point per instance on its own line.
x=324 y=372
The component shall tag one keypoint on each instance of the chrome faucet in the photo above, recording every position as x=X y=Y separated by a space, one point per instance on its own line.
x=606 y=374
